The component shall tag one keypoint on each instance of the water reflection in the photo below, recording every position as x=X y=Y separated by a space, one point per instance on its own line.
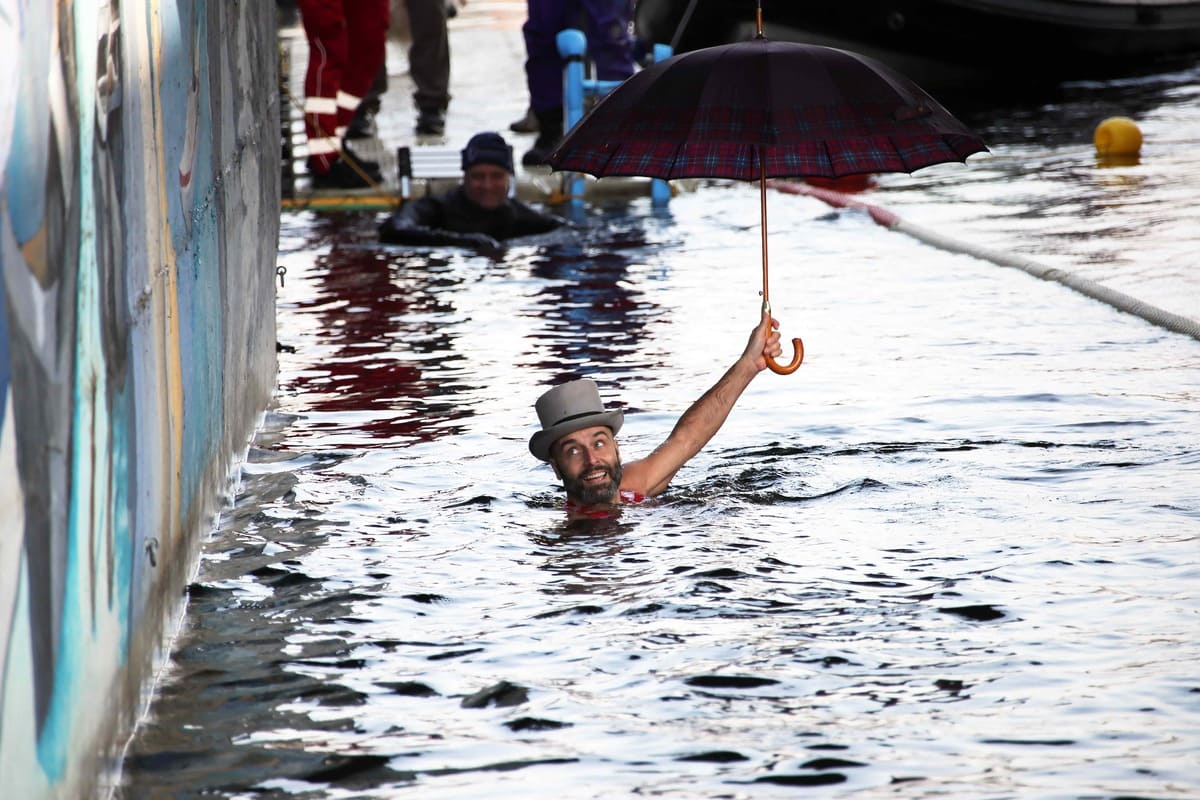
x=392 y=334
x=585 y=557
x=1043 y=193
x=271 y=641
x=1065 y=114
x=969 y=519
x=594 y=309
x=385 y=348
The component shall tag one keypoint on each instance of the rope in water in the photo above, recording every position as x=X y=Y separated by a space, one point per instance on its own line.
x=1096 y=291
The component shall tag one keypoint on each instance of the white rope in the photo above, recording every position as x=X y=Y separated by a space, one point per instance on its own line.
x=1096 y=291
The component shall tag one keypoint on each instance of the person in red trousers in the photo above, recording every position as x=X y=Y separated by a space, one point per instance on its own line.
x=347 y=42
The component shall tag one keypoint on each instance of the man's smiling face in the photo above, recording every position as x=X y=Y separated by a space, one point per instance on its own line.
x=487 y=185
x=589 y=465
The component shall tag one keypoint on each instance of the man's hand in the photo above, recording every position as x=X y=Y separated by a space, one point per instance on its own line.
x=480 y=241
x=764 y=341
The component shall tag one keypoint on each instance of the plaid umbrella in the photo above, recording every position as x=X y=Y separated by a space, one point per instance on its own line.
x=759 y=109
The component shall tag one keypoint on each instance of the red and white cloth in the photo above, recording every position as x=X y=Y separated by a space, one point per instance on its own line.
x=347 y=45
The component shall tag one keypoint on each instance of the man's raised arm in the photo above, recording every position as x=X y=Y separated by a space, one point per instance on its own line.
x=651 y=475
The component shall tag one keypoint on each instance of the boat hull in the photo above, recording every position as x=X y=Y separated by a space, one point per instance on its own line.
x=1035 y=39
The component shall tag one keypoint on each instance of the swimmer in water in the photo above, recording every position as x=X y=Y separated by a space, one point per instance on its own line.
x=479 y=212
x=578 y=435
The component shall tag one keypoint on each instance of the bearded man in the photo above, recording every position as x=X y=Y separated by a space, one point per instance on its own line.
x=578 y=435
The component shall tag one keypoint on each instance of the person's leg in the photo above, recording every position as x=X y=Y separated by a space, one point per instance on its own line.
x=610 y=43
x=543 y=73
x=366 y=31
x=325 y=28
x=326 y=87
x=543 y=65
x=527 y=123
x=429 y=63
x=363 y=124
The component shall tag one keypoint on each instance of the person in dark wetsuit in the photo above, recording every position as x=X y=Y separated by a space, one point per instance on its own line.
x=478 y=212
x=578 y=435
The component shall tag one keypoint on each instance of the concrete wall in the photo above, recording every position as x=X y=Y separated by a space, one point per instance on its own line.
x=139 y=214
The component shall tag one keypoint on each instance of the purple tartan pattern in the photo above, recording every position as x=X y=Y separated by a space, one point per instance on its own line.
x=810 y=111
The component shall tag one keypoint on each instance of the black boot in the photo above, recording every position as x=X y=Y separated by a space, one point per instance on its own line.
x=431 y=122
x=366 y=164
x=550 y=131
x=526 y=124
x=363 y=125
x=342 y=175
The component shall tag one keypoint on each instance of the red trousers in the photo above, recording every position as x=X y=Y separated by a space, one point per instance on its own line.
x=346 y=47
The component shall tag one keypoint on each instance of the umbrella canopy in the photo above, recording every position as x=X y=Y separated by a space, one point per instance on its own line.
x=799 y=110
x=760 y=109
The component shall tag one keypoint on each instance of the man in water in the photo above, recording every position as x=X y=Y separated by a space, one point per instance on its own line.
x=477 y=213
x=578 y=435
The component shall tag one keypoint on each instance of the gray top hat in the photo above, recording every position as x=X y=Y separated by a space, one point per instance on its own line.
x=568 y=408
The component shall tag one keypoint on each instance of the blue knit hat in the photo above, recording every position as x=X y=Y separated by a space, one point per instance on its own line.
x=488 y=148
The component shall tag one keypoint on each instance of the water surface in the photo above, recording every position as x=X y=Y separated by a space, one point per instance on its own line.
x=955 y=554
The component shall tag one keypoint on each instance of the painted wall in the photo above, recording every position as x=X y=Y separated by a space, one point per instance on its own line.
x=139 y=214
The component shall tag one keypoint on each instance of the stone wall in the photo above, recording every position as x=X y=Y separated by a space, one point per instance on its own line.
x=139 y=219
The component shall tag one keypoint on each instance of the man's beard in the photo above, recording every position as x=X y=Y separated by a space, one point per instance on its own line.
x=589 y=495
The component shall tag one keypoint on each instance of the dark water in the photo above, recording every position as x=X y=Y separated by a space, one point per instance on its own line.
x=954 y=555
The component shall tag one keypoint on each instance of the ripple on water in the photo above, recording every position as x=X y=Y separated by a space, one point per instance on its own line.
x=952 y=556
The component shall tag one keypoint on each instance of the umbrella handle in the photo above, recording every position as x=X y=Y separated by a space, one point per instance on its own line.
x=797 y=356
x=788 y=369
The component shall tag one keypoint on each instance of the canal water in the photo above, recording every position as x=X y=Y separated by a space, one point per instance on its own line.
x=956 y=554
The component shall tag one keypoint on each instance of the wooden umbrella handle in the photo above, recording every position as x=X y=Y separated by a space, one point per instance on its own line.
x=788 y=369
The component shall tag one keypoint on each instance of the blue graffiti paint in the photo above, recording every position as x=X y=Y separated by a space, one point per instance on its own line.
x=120 y=602
x=5 y=368
x=31 y=141
x=115 y=122
x=89 y=445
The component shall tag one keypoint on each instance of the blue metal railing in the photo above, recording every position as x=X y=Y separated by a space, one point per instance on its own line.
x=572 y=44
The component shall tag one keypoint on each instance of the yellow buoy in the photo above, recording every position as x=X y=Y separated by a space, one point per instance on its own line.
x=1118 y=136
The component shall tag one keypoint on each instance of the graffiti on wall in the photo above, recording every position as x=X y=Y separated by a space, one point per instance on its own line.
x=114 y=324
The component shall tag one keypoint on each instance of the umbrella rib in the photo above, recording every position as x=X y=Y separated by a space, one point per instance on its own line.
x=676 y=165
x=832 y=168
x=704 y=101
x=674 y=160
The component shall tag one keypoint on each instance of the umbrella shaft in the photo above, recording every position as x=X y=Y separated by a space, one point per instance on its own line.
x=762 y=191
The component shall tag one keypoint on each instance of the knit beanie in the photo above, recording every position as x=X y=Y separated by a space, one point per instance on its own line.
x=487 y=148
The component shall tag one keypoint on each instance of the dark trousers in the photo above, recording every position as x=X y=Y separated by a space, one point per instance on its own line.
x=610 y=44
x=429 y=54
